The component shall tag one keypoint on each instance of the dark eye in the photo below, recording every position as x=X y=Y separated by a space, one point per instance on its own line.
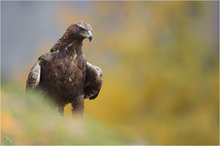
x=81 y=29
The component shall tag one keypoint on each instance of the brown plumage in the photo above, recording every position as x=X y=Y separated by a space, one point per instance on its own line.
x=64 y=73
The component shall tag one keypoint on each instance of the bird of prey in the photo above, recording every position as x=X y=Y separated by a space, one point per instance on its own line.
x=64 y=74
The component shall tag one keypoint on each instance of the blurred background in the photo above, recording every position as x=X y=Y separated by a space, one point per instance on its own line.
x=160 y=63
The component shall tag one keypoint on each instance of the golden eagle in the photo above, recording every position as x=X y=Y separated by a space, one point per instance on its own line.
x=64 y=73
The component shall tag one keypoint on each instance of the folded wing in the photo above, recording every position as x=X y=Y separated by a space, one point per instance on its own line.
x=93 y=81
x=34 y=77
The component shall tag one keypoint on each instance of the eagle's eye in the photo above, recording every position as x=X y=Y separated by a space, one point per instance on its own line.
x=81 y=29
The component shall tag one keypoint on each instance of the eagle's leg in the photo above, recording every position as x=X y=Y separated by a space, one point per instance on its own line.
x=78 y=105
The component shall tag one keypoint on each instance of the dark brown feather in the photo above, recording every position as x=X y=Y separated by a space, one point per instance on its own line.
x=64 y=73
x=93 y=81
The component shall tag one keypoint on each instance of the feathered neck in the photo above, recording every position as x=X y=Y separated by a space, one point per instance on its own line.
x=74 y=47
x=65 y=40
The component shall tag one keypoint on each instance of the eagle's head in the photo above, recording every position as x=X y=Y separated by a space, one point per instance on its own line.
x=81 y=30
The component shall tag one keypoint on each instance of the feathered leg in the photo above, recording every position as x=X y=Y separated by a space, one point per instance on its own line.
x=78 y=105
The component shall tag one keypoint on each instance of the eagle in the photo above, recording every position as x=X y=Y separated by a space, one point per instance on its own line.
x=64 y=74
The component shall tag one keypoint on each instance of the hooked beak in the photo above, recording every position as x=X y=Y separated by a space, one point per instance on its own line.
x=89 y=35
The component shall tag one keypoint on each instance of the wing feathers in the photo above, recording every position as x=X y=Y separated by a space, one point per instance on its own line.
x=34 y=77
x=93 y=81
